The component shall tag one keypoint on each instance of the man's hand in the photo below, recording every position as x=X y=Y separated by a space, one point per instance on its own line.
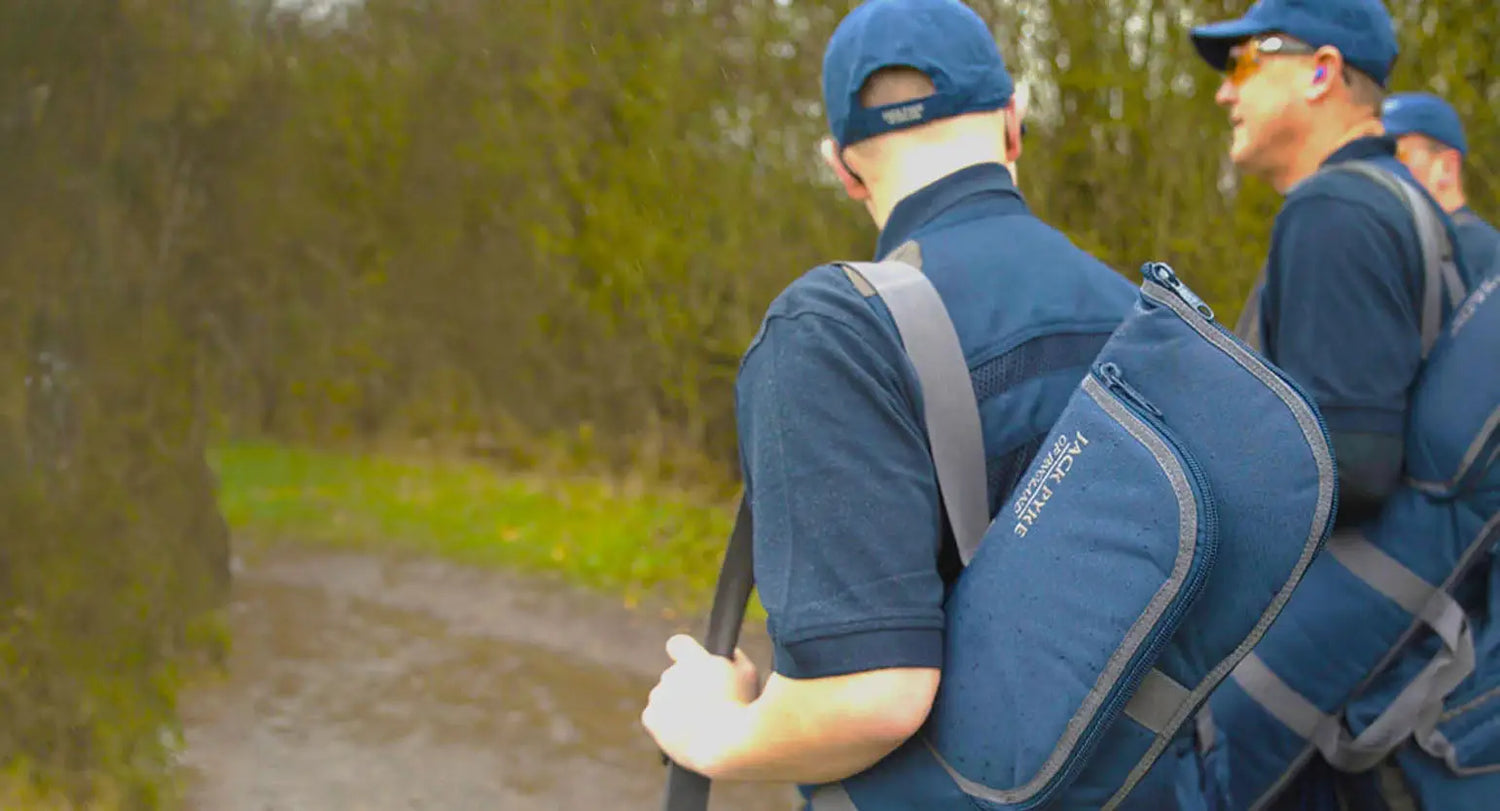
x=696 y=713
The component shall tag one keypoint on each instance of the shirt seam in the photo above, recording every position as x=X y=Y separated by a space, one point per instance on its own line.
x=819 y=633
x=957 y=214
x=1097 y=326
x=1405 y=240
x=760 y=338
x=1302 y=196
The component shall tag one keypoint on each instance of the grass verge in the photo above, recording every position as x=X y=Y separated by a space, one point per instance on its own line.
x=645 y=544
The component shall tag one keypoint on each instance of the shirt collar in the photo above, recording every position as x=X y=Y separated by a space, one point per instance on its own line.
x=927 y=203
x=1364 y=148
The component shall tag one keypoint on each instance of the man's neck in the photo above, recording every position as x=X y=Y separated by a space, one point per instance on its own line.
x=1316 y=149
x=912 y=173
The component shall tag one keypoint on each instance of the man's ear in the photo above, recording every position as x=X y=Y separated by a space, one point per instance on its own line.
x=1447 y=166
x=1013 y=113
x=1328 y=66
x=853 y=185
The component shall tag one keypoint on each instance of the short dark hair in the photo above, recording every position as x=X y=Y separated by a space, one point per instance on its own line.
x=894 y=85
x=1364 y=90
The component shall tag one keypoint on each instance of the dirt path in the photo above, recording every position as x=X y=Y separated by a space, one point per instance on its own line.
x=363 y=684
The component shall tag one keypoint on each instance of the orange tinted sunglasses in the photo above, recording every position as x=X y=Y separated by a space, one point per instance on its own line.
x=1244 y=59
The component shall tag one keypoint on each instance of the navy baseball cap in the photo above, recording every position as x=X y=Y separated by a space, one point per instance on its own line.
x=1424 y=114
x=943 y=39
x=1362 y=30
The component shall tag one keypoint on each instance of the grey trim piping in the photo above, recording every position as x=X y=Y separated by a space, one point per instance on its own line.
x=1322 y=458
x=1415 y=709
x=1472 y=704
x=1485 y=536
x=1488 y=533
x=1187 y=534
x=1438 y=745
x=1487 y=431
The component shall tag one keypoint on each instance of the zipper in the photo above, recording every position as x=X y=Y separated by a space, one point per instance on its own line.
x=1114 y=381
x=1109 y=374
x=1162 y=275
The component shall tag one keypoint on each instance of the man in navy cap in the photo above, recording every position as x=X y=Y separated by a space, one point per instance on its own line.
x=852 y=555
x=1339 y=305
x=1338 y=310
x=1430 y=141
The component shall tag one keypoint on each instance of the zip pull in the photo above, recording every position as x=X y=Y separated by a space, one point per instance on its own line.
x=1110 y=374
x=1163 y=275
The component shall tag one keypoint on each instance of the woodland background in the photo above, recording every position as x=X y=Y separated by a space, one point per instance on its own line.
x=481 y=225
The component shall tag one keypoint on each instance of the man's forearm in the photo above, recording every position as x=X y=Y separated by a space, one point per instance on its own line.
x=820 y=730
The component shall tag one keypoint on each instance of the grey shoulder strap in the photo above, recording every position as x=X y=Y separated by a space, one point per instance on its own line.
x=1464 y=217
x=1440 y=271
x=1413 y=714
x=950 y=410
x=1247 y=328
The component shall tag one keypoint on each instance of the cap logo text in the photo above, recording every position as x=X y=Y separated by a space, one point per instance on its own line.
x=904 y=114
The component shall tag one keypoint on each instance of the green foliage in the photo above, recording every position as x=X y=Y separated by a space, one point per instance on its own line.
x=529 y=230
x=19 y=791
x=114 y=550
x=113 y=547
x=463 y=216
x=447 y=220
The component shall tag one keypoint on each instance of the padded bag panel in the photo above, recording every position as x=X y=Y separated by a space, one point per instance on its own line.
x=1110 y=537
x=1454 y=431
x=1452 y=445
x=1291 y=699
x=1378 y=600
x=1471 y=717
x=1264 y=448
x=1464 y=771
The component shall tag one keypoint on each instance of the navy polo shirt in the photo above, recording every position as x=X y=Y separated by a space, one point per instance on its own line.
x=1478 y=242
x=852 y=553
x=1340 y=307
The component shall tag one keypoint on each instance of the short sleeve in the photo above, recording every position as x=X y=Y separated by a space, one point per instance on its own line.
x=843 y=493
